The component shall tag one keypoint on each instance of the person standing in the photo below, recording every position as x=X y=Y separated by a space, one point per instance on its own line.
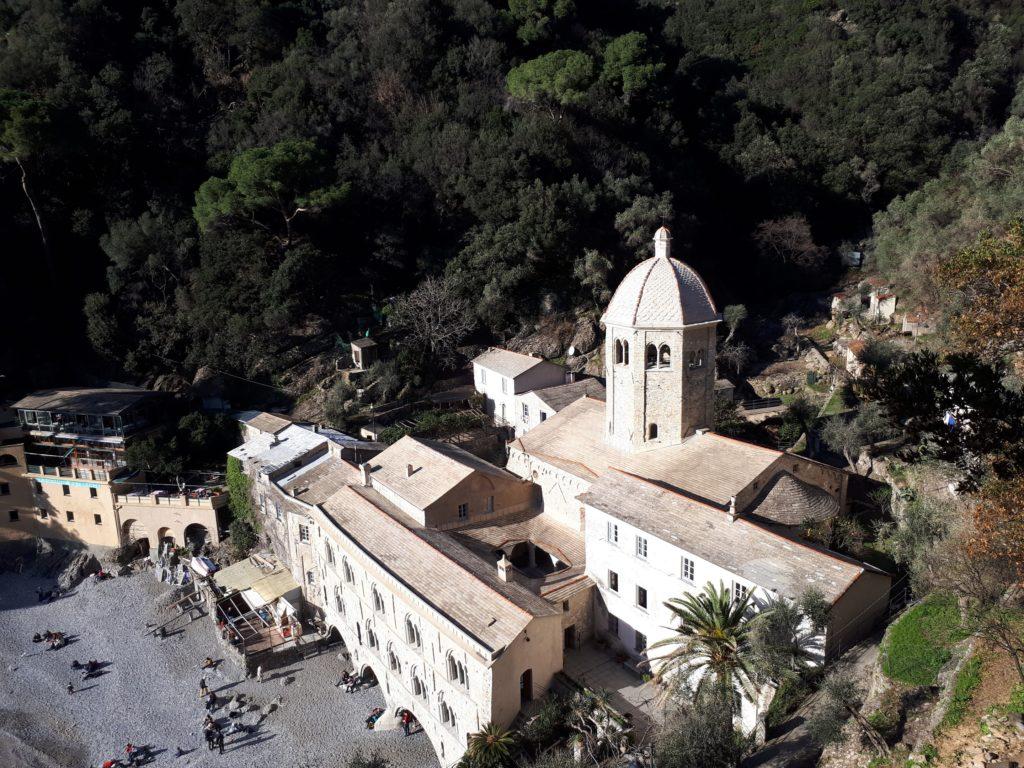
x=71 y=688
x=406 y=718
x=203 y=690
x=259 y=674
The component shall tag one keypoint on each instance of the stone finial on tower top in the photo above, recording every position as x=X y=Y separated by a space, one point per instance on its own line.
x=662 y=243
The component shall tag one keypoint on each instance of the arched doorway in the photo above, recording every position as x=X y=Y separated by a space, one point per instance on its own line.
x=133 y=532
x=163 y=537
x=526 y=687
x=368 y=676
x=196 y=536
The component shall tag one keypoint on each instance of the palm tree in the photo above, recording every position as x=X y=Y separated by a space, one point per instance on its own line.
x=783 y=644
x=711 y=641
x=490 y=747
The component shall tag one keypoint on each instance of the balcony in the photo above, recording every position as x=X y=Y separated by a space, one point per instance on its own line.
x=74 y=473
x=200 y=497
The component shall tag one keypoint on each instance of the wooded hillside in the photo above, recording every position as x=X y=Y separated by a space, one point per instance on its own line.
x=207 y=181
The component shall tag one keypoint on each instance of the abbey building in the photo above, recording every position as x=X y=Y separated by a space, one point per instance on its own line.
x=466 y=587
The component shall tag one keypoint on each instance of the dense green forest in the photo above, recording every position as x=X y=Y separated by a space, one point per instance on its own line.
x=211 y=182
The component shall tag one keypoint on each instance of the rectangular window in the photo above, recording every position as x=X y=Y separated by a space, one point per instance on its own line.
x=66 y=489
x=613 y=625
x=641 y=547
x=277 y=512
x=310 y=577
x=504 y=386
x=613 y=533
x=613 y=581
x=543 y=416
x=97 y=519
x=687 y=569
x=5 y=489
x=526 y=412
x=70 y=516
x=13 y=515
x=490 y=504
x=641 y=597
x=303 y=533
x=92 y=493
x=43 y=514
x=37 y=486
x=639 y=642
x=463 y=511
x=739 y=592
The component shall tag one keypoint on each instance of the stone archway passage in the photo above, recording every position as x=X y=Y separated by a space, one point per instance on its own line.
x=196 y=536
x=134 y=532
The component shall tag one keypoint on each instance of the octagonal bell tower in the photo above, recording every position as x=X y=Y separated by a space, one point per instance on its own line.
x=660 y=330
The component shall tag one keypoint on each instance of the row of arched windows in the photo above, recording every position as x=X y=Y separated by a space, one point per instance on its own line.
x=656 y=356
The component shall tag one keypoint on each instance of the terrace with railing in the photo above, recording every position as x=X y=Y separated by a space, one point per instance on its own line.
x=214 y=498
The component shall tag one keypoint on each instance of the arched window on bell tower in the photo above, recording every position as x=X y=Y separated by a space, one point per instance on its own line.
x=651 y=356
x=618 y=352
x=625 y=353
x=664 y=356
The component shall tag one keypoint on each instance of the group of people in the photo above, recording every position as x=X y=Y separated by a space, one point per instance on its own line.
x=47 y=595
x=55 y=640
x=213 y=731
x=89 y=669
x=133 y=756
x=350 y=682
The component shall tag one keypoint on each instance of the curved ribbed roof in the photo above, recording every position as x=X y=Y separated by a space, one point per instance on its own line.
x=788 y=500
x=660 y=292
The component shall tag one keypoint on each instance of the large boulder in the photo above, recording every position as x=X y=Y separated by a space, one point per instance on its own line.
x=81 y=566
x=584 y=337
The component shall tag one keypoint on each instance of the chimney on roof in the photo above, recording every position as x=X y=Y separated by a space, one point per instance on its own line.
x=364 y=469
x=409 y=470
x=316 y=428
x=505 y=568
x=732 y=507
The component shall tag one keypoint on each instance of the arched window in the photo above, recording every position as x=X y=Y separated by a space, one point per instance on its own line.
x=618 y=351
x=338 y=602
x=347 y=569
x=664 y=356
x=652 y=431
x=453 y=668
x=412 y=633
x=418 y=688
x=625 y=353
x=651 y=356
x=371 y=636
x=696 y=359
x=463 y=677
x=378 y=601
x=393 y=663
x=329 y=552
x=7 y=460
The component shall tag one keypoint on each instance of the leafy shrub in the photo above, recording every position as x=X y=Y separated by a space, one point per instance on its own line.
x=790 y=695
x=918 y=644
x=544 y=728
x=242 y=537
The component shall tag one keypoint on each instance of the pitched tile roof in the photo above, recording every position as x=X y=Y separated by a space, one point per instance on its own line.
x=559 y=396
x=709 y=466
x=440 y=571
x=740 y=546
x=505 y=362
x=263 y=421
x=436 y=469
x=317 y=481
x=529 y=525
